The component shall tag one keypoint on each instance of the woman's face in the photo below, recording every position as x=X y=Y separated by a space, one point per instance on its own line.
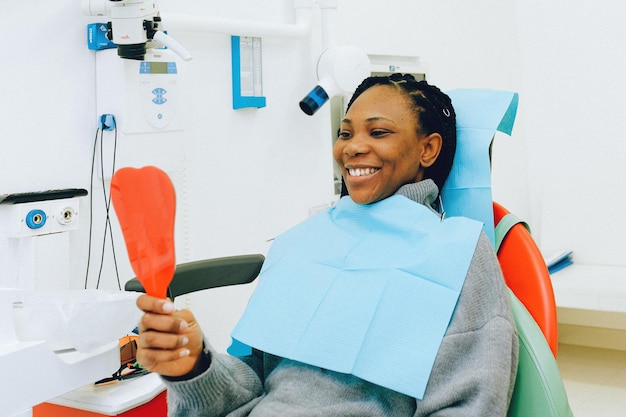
x=379 y=148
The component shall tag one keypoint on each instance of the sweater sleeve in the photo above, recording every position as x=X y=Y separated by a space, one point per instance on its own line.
x=228 y=384
x=476 y=365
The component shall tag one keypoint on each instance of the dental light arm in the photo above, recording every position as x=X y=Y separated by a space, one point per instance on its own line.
x=172 y=44
x=340 y=69
x=135 y=26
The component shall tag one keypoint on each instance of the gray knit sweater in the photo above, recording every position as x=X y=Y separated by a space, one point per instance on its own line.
x=473 y=375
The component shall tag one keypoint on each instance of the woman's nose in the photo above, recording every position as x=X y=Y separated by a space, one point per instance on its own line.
x=356 y=146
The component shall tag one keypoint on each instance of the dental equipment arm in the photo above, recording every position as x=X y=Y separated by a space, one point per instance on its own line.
x=135 y=26
x=340 y=69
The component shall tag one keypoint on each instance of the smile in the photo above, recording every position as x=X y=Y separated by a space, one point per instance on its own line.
x=360 y=172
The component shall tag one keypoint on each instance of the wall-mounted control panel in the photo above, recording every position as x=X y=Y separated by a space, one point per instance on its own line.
x=158 y=92
x=152 y=94
x=39 y=213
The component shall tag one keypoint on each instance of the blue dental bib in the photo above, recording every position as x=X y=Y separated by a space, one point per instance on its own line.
x=367 y=290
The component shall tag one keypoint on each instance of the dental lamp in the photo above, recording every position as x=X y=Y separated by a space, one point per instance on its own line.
x=340 y=69
x=135 y=26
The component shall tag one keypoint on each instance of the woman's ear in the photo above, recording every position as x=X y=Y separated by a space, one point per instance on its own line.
x=431 y=147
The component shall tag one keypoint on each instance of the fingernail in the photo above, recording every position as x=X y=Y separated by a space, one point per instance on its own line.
x=183 y=325
x=184 y=352
x=184 y=340
x=168 y=307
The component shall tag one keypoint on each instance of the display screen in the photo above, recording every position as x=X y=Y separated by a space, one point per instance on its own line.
x=158 y=68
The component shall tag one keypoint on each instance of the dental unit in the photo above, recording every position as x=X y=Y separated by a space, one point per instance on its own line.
x=136 y=24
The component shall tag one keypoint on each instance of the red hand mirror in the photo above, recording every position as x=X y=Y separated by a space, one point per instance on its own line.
x=145 y=204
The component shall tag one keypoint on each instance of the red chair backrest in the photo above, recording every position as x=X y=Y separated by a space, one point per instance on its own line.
x=526 y=274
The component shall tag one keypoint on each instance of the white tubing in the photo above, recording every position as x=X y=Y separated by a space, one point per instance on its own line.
x=191 y=23
x=173 y=45
x=329 y=23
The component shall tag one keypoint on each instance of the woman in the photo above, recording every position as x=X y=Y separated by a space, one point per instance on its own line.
x=395 y=149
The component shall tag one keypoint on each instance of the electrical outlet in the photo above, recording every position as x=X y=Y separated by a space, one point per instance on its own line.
x=64 y=215
x=34 y=219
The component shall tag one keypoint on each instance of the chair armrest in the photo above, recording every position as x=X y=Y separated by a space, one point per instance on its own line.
x=209 y=273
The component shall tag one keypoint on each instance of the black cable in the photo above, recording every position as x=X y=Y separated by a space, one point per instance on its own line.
x=107 y=203
x=93 y=165
x=104 y=239
x=117 y=272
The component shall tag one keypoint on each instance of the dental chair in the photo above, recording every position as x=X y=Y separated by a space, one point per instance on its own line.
x=539 y=390
x=520 y=258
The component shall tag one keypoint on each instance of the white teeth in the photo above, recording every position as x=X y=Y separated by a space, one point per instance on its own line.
x=358 y=172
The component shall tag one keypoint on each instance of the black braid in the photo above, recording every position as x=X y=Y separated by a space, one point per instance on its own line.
x=435 y=115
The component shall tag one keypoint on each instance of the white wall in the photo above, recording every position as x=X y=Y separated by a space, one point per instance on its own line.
x=572 y=66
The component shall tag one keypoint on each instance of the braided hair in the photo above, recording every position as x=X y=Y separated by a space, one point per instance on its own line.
x=434 y=113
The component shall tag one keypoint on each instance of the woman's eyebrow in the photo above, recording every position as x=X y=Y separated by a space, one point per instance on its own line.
x=371 y=119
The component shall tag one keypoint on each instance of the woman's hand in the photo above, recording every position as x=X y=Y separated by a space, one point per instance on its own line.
x=170 y=341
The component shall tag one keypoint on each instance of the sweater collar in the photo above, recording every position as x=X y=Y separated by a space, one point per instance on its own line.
x=424 y=192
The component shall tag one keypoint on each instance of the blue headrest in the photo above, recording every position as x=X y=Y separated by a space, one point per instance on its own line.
x=480 y=113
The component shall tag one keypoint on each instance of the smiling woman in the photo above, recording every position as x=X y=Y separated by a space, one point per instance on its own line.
x=376 y=307
x=396 y=131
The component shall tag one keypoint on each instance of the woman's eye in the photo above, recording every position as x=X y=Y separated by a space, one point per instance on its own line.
x=379 y=133
x=344 y=134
